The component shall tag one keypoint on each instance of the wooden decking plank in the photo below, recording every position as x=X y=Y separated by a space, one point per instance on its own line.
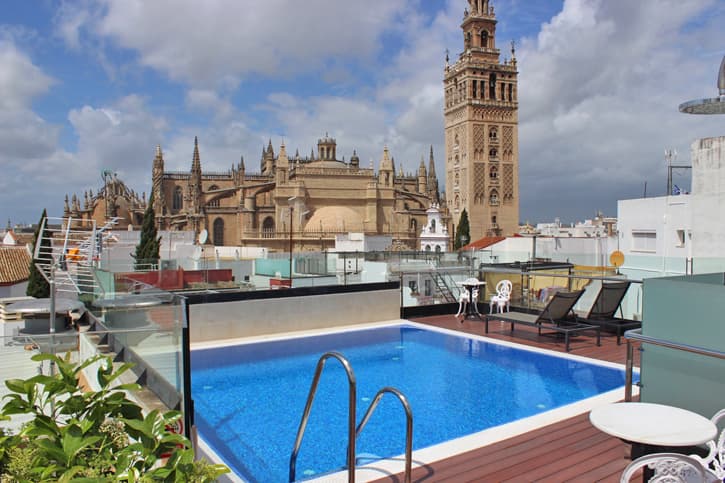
x=570 y=450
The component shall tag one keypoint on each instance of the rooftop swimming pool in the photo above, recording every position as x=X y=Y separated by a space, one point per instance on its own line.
x=249 y=398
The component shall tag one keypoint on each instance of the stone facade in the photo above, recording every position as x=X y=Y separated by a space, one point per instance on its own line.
x=481 y=129
x=319 y=196
x=114 y=200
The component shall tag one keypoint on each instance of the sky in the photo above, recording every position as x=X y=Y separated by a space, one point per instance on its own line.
x=90 y=85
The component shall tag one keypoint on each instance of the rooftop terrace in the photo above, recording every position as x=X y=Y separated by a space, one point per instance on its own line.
x=570 y=450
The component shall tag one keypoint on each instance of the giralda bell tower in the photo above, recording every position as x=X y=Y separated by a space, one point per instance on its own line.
x=481 y=129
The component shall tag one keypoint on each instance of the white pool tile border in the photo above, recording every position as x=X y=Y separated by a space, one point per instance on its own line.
x=431 y=454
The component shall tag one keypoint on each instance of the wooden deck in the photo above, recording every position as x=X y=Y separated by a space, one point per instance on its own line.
x=571 y=450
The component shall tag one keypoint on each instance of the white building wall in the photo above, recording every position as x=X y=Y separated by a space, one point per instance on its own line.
x=708 y=204
x=690 y=229
x=669 y=218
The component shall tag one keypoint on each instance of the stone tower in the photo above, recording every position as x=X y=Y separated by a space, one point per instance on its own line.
x=481 y=129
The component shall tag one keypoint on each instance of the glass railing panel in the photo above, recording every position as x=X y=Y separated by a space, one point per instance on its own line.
x=149 y=325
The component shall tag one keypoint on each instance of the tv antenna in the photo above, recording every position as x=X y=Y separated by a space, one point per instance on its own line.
x=670 y=158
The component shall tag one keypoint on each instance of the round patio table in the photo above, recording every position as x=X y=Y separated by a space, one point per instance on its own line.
x=653 y=428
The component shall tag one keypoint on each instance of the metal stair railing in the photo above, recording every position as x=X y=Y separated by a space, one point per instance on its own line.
x=408 y=425
x=443 y=287
x=352 y=391
x=67 y=249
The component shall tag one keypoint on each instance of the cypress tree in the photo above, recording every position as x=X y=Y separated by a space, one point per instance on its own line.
x=463 y=230
x=38 y=286
x=147 y=250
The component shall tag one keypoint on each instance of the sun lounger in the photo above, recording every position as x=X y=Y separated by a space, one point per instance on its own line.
x=608 y=301
x=557 y=316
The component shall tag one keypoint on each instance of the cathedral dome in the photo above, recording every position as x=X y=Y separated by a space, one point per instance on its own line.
x=334 y=219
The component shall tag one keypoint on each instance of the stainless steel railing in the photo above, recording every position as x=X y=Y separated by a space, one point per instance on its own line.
x=408 y=425
x=352 y=391
x=352 y=431
x=635 y=336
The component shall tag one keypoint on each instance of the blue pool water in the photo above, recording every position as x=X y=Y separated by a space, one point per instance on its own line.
x=249 y=398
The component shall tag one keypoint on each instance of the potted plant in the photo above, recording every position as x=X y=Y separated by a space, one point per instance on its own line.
x=83 y=436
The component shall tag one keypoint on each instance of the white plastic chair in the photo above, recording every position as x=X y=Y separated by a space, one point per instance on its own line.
x=475 y=300
x=502 y=298
x=463 y=301
x=715 y=460
x=669 y=468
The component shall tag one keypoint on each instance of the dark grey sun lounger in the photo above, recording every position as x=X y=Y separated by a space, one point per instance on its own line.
x=608 y=301
x=557 y=316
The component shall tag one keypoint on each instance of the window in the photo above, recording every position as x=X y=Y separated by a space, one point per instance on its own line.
x=414 y=225
x=493 y=173
x=432 y=226
x=484 y=38
x=493 y=198
x=178 y=201
x=492 y=87
x=644 y=240
x=492 y=134
x=680 y=238
x=218 y=234
x=493 y=153
x=268 y=228
x=428 y=287
x=213 y=203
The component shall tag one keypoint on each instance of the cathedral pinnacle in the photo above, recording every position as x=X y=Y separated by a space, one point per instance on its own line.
x=196 y=161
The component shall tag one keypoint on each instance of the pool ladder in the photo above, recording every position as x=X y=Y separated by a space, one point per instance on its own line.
x=352 y=431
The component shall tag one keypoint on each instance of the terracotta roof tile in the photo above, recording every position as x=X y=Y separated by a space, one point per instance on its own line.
x=484 y=242
x=14 y=264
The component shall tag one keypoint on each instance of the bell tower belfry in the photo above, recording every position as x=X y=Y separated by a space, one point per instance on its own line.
x=481 y=128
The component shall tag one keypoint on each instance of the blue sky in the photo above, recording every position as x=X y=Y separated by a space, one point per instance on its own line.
x=89 y=85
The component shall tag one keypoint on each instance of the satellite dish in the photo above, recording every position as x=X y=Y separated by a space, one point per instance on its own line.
x=203 y=237
x=616 y=258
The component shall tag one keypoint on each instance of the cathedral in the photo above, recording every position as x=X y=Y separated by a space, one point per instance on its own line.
x=481 y=129
x=294 y=199
x=309 y=200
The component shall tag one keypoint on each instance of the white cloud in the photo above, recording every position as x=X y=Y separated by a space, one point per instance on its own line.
x=121 y=137
x=20 y=79
x=209 y=100
x=200 y=44
x=599 y=89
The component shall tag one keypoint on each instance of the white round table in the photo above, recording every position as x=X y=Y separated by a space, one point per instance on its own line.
x=653 y=424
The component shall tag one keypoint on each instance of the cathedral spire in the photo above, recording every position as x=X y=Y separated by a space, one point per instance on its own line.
x=431 y=164
x=196 y=161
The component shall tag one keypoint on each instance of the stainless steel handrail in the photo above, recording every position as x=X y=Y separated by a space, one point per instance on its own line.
x=408 y=425
x=350 y=419
x=635 y=335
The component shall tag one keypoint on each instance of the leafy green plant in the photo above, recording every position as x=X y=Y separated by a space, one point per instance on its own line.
x=83 y=436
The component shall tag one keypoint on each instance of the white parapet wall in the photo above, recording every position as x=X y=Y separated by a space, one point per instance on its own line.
x=257 y=317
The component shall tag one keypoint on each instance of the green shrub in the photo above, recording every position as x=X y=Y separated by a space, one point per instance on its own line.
x=83 y=436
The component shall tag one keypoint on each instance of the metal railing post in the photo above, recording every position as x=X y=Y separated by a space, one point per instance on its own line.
x=629 y=365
